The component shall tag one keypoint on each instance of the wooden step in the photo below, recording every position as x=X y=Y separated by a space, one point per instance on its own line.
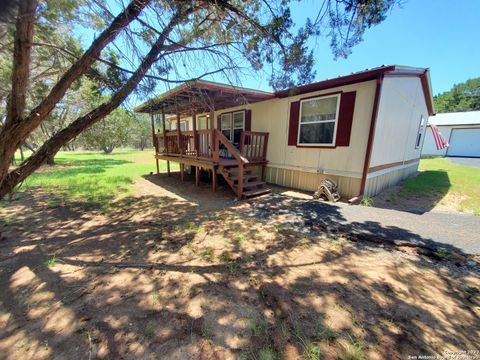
x=234 y=171
x=256 y=192
x=245 y=177
x=252 y=184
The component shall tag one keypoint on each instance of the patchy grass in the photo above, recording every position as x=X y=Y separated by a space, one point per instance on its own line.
x=177 y=280
x=366 y=201
x=448 y=180
x=95 y=178
x=258 y=326
x=51 y=261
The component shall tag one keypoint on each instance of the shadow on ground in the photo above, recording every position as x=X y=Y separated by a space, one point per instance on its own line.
x=418 y=194
x=196 y=275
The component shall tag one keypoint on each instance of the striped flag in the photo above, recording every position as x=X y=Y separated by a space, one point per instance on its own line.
x=440 y=141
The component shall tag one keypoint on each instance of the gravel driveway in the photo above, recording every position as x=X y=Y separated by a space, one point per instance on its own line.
x=454 y=232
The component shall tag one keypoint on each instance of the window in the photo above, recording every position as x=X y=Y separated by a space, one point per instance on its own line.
x=202 y=122
x=318 y=121
x=421 y=127
x=238 y=125
x=232 y=125
x=183 y=125
x=226 y=125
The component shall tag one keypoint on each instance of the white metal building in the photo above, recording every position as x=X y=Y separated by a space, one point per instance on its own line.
x=460 y=129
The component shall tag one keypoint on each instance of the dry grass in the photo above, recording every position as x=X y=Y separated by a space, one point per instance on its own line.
x=187 y=274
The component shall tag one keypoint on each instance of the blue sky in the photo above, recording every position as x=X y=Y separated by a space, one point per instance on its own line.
x=439 y=34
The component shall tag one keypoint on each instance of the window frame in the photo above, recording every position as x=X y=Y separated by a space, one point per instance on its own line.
x=199 y=122
x=420 y=130
x=174 y=124
x=232 y=122
x=335 y=121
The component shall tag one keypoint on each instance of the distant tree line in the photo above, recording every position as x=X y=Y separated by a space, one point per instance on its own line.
x=462 y=97
x=120 y=128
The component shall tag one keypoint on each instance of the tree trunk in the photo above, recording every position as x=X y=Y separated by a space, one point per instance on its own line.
x=16 y=129
x=55 y=143
x=22 y=156
x=50 y=160
x=20 y=73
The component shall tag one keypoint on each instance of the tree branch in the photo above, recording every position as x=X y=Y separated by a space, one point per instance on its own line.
x=85 y=61
x=16 y=130
x=54 y=144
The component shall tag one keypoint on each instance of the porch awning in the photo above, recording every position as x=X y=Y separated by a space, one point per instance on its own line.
x=202 y=96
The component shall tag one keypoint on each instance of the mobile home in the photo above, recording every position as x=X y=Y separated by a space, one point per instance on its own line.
x=364 y=130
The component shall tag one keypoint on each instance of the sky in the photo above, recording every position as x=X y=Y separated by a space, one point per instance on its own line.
x=441 y=35
x=437 y=34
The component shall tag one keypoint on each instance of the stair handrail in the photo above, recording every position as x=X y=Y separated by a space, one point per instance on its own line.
x=232 y=149
x=241 y=160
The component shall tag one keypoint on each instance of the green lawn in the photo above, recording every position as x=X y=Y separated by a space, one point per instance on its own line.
x=94 y=178
x=440 y=176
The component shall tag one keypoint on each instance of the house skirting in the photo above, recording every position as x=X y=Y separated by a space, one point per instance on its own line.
x=382 y=179
x=348 y=186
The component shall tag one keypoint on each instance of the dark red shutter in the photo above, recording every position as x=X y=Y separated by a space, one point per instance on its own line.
x=345 y=118
x=248 y=120
x=219 y=123
x=293 y=124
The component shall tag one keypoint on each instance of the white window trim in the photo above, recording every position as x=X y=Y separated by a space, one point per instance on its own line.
x=334 y=139
x=232 y=122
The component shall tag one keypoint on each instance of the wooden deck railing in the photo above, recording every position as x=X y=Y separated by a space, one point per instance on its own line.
x=253 y=145
x=206 y=145
x=185 y=144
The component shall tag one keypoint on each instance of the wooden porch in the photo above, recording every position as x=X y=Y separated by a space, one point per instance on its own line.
x=210 y=150
x=207 y=147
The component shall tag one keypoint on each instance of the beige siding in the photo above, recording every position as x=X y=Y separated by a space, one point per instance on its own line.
x=348 y=187
x=273 y=116
x=304 y=168
x=402 y=103
x=376 y=183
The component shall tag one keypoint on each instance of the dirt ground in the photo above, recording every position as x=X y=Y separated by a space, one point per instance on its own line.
x=177 y=272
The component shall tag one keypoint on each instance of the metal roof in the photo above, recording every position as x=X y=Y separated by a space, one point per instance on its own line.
x=204 y=95
x=456 y=118
x=366 y=75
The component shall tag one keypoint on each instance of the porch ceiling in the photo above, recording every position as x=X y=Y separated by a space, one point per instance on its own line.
x=202 y=96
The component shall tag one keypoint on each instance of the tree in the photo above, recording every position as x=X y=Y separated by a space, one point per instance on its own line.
x=141 y=132
x=185 y=39
x=110 y=132
x=462 y=97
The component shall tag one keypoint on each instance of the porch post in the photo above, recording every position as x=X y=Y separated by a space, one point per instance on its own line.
x=180 y=146
x=197 y=175
x=213 y=144
x=179 y=134
x=214 y=178
x=212 y=120
x=165 y=138
x=155 y=141
x=195 y=137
